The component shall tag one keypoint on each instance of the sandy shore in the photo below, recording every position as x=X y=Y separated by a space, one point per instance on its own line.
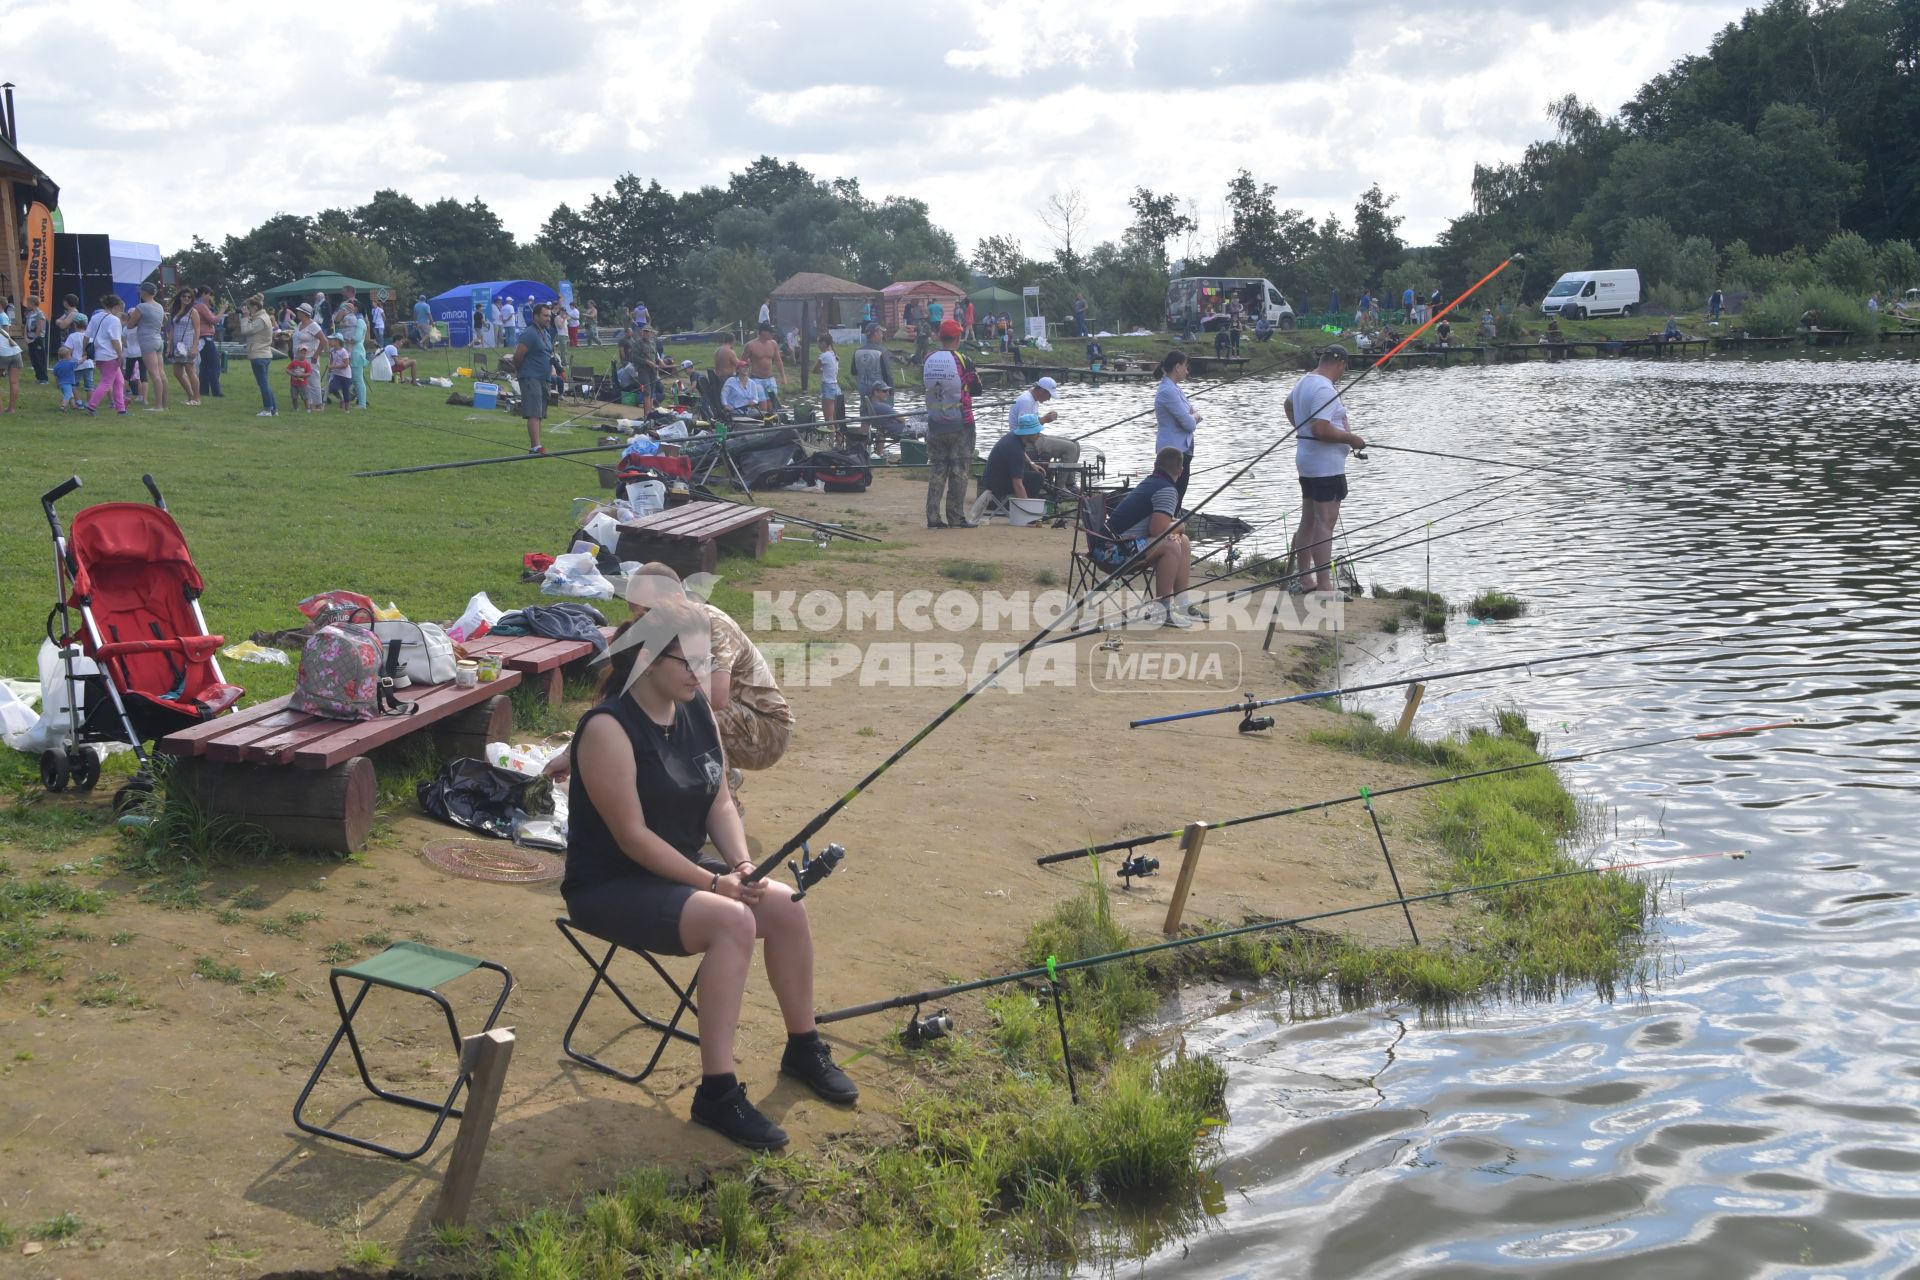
x=165 y=1124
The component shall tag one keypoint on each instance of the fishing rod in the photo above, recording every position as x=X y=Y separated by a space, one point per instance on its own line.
x=799 y=839
x=1054 y=967
x=1216 y=385
x=1489 y=462
x=1068 y=855
x=750 y=433
x=1250 y=705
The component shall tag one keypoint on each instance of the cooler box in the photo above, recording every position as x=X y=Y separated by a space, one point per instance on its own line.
x=913 y=451
x=486 y=395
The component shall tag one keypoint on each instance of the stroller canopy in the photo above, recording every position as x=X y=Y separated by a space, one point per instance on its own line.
x=128 y=535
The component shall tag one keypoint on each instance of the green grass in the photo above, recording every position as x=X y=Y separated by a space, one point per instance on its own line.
x=206 y=967
x=970 y=571
x=1495 y=606
x=24 y=938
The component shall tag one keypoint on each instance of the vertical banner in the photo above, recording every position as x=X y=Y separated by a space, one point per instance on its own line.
x=566 y=293
x=39 y=279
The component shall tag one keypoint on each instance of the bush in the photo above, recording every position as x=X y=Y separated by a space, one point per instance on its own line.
x=1496 y=606
x=1667 y=300
x=1779 y=312
x=1847 y=263
x=1898 y=267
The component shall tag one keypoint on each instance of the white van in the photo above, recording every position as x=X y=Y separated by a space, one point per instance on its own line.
x=1580 y=294
x=1207 y=297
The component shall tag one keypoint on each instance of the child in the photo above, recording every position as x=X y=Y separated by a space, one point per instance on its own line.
x=76 y=351
x=65 y=371
x=340 y=373
x=299 y=370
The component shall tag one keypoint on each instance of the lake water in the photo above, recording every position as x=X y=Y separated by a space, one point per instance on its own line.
x=1756 y=1111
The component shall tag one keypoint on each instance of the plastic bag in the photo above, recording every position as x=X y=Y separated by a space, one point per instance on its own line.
x=575 y=574
x=479 y=618
x=16 y=718
x=392 y=613
x=604 y=529
x=329 y=602
x=647 y=497
x=248 y=651
x=523 y=758
x=473 y=794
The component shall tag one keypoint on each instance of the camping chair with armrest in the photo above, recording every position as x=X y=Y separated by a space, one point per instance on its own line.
x=1096 y=553
x=415 y=969
x=669 y=1030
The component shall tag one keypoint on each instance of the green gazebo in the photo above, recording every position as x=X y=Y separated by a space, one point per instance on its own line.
x=995 y=299
x=328 y=282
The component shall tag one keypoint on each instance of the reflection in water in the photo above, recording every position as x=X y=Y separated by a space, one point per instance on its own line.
x=1756 y=1112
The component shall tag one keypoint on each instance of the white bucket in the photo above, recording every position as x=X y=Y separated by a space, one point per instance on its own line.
x=1026 y=511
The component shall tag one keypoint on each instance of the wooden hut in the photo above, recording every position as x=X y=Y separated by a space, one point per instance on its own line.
x=24 y=186
x=901 y=292
x=812 y=303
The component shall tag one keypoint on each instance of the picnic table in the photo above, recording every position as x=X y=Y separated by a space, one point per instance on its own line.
x=689 y=538
x=307 y=780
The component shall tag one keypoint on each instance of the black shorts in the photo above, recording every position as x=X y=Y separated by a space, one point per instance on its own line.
x=1323 y=488
x=640 y=911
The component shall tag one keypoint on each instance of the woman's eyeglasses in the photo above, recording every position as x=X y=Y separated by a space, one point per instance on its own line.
x=698 y=666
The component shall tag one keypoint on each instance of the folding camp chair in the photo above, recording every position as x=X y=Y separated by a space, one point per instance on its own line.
x=1095 y=554
x=585 y=383
x=987 y=505
x=669 y=1030
x=419 y=970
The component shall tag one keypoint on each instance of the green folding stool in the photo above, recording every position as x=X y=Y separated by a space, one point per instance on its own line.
x=419 y=970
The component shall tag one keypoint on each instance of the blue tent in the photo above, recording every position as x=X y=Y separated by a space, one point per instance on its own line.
x=454 y=308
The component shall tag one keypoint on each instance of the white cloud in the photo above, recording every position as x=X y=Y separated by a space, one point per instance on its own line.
x=190 y=122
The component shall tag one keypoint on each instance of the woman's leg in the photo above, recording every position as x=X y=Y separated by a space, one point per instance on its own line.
x=156 y=378
x=782 y=922
x=192 y=366
x=267 y=402
x=721 y=930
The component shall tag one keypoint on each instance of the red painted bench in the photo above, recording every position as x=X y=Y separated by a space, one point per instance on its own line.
x=307 y=780
x=543 y=663
x=689 y=538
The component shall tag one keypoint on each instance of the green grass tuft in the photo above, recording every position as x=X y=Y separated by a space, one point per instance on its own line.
x=1495 y=606
x=970 y=570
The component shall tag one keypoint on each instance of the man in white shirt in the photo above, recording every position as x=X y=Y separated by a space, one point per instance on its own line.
x=1054 y=448
x=1320 y=455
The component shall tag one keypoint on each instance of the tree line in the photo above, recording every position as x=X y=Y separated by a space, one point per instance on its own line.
x=1784 y=156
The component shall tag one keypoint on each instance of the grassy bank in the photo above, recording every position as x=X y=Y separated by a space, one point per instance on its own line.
x=994 y=1167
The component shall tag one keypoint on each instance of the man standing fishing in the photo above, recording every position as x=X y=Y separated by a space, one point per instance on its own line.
x=1320 y=455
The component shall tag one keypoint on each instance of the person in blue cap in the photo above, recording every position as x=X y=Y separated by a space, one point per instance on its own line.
x=1010 y=471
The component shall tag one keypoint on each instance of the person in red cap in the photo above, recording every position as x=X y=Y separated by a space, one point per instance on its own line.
x=949 y=382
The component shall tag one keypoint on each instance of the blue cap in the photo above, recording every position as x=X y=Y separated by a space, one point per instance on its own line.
x=1028 y=425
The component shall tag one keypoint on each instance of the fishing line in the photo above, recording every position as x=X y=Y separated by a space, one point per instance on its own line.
x=1245 y=373
x=1551 y=659
x=798 y=840
x=1068 y=855
x=1055 y=967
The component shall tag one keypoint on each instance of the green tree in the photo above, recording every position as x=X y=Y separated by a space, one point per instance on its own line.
x=1898 y=267
x=1156 y=220
x=563 y=237
x=1376 y=238
x=397 y=222
x=1001 y=260
x=364 y=259
x=1848 y=263
x=276 y=252
x=1259 y=232
x=199 y=263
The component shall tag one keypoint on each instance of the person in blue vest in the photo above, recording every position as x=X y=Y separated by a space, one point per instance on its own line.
x=422 y=321
x=1137 y=522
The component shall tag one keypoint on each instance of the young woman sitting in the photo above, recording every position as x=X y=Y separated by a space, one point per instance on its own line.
x=648 y=790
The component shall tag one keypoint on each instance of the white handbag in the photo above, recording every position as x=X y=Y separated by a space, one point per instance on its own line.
x=426 y=651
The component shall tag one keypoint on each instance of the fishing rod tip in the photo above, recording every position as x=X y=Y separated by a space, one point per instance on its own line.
x=1518 y=257
x=1738 y=855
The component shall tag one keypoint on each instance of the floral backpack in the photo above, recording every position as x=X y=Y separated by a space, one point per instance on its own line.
x=343 y=674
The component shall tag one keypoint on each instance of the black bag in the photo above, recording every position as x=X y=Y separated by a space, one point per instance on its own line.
x=840 y=472
x=474 y=794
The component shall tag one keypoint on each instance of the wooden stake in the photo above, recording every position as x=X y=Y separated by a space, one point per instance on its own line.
x=484 y=1059
x=1190 y=842
x=1415 y=692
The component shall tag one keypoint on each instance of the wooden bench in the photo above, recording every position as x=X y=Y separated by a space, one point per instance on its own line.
x=543 y=663
x=306 y=780
x=689 y=538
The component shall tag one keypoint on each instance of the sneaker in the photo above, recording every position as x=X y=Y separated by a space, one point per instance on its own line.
x=264 y=413
x=732 y=1117
x=87 y=409
x=963 y=524
x=1198 y=614
x=537 y=451
x=935 y=524
x=1178 y=619
x=812 y=1065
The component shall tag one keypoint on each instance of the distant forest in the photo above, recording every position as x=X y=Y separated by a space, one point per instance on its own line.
x=1787 y=155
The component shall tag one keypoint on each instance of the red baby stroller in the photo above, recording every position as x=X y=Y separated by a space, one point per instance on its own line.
x=125 y=568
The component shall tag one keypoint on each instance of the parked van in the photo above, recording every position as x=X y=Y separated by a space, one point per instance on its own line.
x=1580 y=294
x=1208 y=297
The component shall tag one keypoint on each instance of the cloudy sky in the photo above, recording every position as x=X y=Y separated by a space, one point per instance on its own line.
x=162 y=119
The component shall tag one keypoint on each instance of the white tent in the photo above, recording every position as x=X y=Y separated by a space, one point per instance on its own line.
x=133 y=261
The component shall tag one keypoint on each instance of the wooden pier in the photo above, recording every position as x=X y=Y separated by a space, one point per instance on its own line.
x=1741 y=342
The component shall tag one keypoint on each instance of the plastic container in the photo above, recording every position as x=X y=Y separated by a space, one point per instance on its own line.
x=1026 y=511
x=774 y=530
x=630 y=397
x=486 y=395
x=487 y=668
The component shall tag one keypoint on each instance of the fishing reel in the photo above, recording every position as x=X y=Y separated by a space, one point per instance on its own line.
x=1136 y=867
x=919 y=1031
x=1251 y=723
x=810 y=871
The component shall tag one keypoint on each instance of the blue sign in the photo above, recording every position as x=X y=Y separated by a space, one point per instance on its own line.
x=566 y=293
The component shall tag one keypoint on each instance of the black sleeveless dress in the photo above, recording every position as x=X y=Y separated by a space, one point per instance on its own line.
x=679 y=769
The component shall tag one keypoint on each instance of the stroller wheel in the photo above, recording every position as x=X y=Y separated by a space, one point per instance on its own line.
x=83 y=768
x=53 y=770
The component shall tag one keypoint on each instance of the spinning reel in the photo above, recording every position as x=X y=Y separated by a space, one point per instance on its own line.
x=1251 y=723
x=920 y=1030
x=810 y=871
x=1136 y=866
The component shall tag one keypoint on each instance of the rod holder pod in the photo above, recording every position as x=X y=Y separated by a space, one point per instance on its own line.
x=1137 y=866
x=921 y=1030
x=810 y=870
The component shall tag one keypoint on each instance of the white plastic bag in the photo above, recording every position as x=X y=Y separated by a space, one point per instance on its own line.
x=519 y=757
x=53 y=723
x=476 y=621
x=380 y=369
x=604 y=529
x=578 y=576
x=676 y=430
x=647 y=497
x=16 y=719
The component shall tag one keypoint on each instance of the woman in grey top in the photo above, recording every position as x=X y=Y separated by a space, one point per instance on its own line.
x=146 y=327
x=182 y=347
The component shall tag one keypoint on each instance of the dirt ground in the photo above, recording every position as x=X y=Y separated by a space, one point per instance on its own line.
x=163 y=1121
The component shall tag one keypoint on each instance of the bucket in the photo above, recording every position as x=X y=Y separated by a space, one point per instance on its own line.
x=629 y=397
x=1026 y=511
x=486 y=395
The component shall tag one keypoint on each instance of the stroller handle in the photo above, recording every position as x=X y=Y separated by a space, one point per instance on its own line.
x=154 y=489
x=54 y=495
